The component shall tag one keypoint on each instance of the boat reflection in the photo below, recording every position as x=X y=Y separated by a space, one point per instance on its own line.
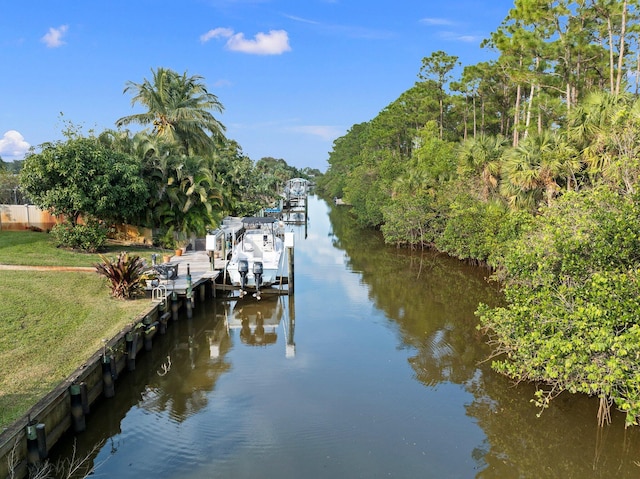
x=257 y=322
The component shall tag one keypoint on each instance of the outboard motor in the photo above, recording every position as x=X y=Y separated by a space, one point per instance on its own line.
x=243 y=269
x=257 y=274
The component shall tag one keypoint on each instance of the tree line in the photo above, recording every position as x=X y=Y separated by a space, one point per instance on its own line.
x=528 y=164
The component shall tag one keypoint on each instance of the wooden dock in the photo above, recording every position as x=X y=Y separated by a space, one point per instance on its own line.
x=203 y=272
x=198 y=265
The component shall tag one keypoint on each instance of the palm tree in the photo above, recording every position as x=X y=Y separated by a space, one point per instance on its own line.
x=188 y=195
x=178 y=108
x=481 y=158
x=530 y=171
x=608 y=127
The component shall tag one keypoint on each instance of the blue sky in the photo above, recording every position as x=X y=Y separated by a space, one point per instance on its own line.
x=292 y=75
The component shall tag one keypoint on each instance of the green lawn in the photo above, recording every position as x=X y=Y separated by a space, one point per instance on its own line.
x=32 y=248
x=51 y=322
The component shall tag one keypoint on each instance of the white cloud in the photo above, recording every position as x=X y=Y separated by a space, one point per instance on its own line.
x=327 y=133
x=303 y=20
x=13 y=146
x=436 y=21
x=53 y=38
x=469 y=38
x=273 y=43
x=460 y=37
x=216 y=33
x=222 y=83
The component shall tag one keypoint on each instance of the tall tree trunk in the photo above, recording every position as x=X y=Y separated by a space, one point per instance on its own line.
x=539 y=117
x=611 y=62
x=482 y=111
x=623 y=30
x=465 y=116
x=474 y=117
x=530 y=103
x=516 y=117
x=441 y=113
x=529 y=108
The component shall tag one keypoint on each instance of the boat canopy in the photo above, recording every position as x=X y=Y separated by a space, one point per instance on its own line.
x=258 y=220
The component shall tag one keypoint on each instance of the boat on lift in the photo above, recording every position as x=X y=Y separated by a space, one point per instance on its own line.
x=257 y=256
x=295 y=192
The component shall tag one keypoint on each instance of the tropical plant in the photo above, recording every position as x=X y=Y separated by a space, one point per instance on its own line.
x=530 y=171
x=178 y=109
x=124 y=273
x=479 y=158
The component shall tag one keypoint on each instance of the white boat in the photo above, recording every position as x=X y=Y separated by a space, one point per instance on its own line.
x=295 y=192
x=219 y=242
x=257 y=256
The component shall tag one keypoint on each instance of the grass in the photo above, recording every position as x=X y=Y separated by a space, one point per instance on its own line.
x=32 y=248
x=51 y=322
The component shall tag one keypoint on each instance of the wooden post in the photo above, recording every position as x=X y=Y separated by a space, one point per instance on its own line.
x=42 y=441
x=108 y=388
x=33 y=454
x=174 y=306
x=77 y=411
x=289 y=244
x=291 y=270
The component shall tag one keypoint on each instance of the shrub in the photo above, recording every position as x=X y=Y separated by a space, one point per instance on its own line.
x=572 y=285
x=90 y=237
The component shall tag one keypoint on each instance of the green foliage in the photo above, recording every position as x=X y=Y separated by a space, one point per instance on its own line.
x=90 y=237
x=9 y=188
x=573 y=294
x=472 y=228
x=409 y=220
x=368 y=189
x=342 y=160
x=14 y=166
x=124 y=273
x=166 y=240
x=82 y=177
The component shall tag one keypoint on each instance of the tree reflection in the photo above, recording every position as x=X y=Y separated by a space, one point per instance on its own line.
x=198 y=360
x=432 y=299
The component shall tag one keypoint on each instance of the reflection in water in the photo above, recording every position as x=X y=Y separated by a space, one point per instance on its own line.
x=392 y=381
x=258 y=321
x=431 y=307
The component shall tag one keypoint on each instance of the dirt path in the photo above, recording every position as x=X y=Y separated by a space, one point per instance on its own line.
x=17 y=267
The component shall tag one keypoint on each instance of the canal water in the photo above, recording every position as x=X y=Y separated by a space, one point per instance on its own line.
x=374 y=368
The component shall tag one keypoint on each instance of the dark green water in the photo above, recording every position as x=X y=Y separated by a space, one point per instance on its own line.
x=374 y=368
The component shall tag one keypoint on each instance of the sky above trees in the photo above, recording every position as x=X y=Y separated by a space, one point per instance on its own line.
x=292 y=76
